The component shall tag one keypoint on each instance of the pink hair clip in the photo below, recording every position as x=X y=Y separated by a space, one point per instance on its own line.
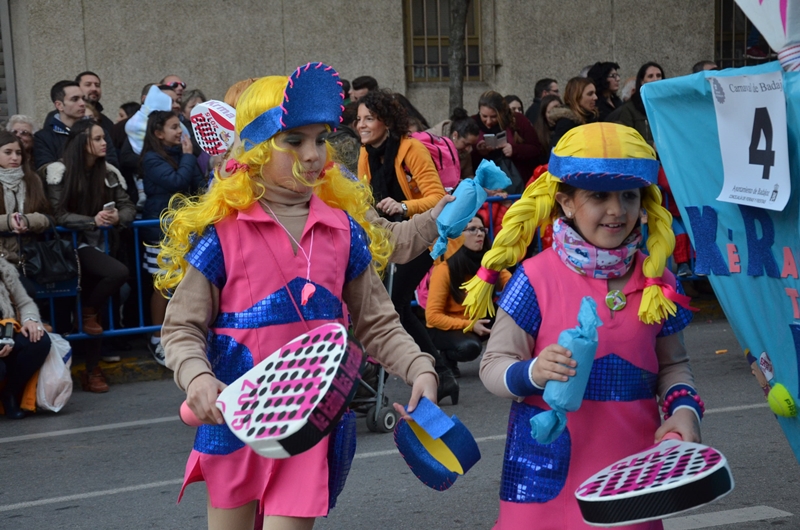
x=232 y=166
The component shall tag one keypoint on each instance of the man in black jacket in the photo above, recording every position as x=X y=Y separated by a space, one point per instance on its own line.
x=544 y=87
x=48 y=143
x=92 y=92
x=89 y=82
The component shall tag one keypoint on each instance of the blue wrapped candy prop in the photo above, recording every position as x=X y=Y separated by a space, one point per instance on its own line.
x=470 y=195
x=566 y=396
x=436 y=448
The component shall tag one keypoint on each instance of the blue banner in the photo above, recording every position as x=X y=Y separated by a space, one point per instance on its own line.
x=749 y=254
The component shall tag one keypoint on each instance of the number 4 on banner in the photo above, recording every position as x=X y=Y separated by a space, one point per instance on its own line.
x=755 y=154
x=762 y=157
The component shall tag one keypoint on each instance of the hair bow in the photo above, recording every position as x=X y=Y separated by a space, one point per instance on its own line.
x=233 y=165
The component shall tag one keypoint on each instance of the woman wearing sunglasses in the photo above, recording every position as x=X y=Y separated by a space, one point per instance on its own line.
x=444 y=311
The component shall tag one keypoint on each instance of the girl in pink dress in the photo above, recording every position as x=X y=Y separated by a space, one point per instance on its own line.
x=276 y=248
x=598 y=192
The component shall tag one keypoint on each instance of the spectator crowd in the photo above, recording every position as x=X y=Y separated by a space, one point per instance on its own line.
x=82 y=170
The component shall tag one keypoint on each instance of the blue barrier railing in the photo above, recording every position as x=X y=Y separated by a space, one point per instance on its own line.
x=490 y=214
x=71 y=288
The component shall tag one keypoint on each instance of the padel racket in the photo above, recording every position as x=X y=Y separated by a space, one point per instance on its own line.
x=292 y=399
x=214 y=126
x=669 y=478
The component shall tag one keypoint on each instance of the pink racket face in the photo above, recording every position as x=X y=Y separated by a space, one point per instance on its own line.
x=294 y=397
x=213 y=123
x=655 y=483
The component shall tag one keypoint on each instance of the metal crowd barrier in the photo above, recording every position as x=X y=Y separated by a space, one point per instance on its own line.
x=72 y=289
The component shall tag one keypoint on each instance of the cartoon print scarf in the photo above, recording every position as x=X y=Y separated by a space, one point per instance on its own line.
x=584 y=258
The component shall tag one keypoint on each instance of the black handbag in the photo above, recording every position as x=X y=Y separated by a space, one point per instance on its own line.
x=50 y=261
x=511 y=171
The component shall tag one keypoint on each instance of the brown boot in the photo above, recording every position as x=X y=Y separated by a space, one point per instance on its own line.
x=94 y=381
x=91 y=324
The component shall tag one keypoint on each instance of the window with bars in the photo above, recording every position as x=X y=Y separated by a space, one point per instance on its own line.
x=738 y=43
x=428 y=40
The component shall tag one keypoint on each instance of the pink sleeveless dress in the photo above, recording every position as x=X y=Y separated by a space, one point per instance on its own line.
x=249 y=257
x=619 y=414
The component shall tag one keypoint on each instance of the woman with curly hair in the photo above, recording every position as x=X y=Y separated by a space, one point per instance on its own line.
x=521 y=147
x=404 y=183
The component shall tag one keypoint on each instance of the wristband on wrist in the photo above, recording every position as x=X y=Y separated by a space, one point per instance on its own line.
x=519 y=381
x=682 y=396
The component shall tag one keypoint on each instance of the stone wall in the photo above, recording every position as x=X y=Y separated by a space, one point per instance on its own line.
x=210 y=45
x=532 y=39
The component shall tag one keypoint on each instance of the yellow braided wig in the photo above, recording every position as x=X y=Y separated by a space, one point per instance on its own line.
x=537 y=208
x=187 y=217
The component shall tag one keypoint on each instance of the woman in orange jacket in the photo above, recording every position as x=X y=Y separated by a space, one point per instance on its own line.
x=404 y=183
x=444 y=311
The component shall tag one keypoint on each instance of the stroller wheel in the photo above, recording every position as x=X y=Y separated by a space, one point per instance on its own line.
x=385 y=422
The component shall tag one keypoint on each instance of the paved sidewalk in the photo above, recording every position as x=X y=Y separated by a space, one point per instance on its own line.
x=136 y=364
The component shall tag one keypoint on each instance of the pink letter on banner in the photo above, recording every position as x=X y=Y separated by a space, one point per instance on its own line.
x=789 y=265
x=733 y=258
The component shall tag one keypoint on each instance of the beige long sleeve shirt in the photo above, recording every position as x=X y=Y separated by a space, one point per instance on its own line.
x=195 y=305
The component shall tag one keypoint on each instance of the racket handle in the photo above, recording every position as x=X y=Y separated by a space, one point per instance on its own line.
x=668 y=436
x=188 y=417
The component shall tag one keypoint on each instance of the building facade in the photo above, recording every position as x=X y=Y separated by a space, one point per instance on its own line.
x=402 y=43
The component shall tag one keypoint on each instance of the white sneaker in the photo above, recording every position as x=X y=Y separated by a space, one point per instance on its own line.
x=111 y=358
x=158 y=352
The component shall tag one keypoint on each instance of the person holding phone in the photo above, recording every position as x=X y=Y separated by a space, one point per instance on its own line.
x=444 y=311
x=168 y=167
x=512 y=142
x=23 y=204
x=88 y=194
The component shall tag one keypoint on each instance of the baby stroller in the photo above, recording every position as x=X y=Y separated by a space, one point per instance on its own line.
x=370 y=398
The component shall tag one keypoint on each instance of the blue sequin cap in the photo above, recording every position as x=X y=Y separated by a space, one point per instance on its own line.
x=604 y=174
x=604 y=157
x=313 y=94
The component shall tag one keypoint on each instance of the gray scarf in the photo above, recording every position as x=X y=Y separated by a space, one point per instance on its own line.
x=13 y=180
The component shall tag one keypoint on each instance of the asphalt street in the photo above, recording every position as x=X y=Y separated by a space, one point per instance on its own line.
x=115 y=461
